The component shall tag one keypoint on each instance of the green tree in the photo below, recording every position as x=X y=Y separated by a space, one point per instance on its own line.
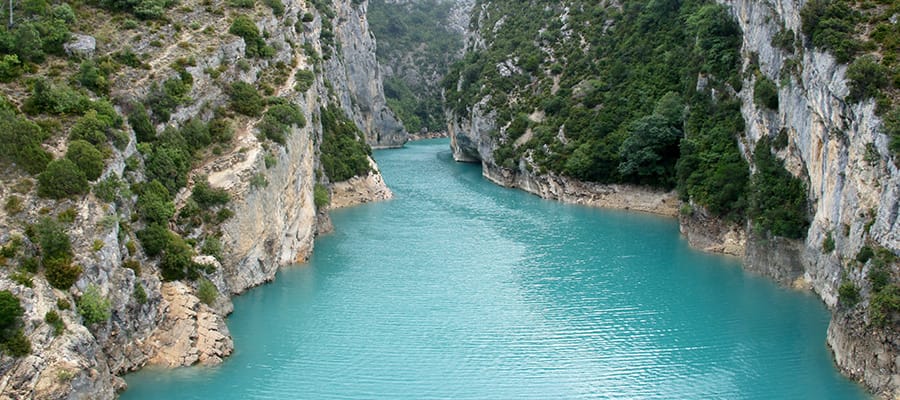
x=154 y=203
x=93 y=307
x=62 y=179
x=245 y=99
x=88 y=159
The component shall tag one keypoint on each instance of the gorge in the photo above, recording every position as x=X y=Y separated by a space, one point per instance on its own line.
x=158 y=158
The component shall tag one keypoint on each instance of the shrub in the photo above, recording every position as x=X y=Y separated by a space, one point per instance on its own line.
x=176 y=263
x=879 y=277
x=212 y=246
x=245 y=28
x=831 y=25
x=207 y=197
x=169 y=164
x=10 y=310
x=52 y=99
x=140 y=295
x=305 y=79
x=63 y=304
x=92 y=77
x=10 y=68
x=154 y=203
x=320 y=196
x=867 y=77
x=154 y=238
x=13 y=205
x=140 y=123
x=20 y=141
x=865 y=254
x=53 y=240
x=277 y=7
x=245 y=99
x=53 y=319
x=17 y=345
x=276 y=124
x=88 y=159
x=61 y=273
x=765 y=93
x=207 y=292
x=62 y=179
x=848 y=293
x=93 y=307
x=828 y=243
x=108 y=189
x=884 y=306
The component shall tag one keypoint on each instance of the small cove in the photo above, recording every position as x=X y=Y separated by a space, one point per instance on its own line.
x=462 y=289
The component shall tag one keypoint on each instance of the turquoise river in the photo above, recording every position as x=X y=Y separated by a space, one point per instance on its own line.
x=460 y=289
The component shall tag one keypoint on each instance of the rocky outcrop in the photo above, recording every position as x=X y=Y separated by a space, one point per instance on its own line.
x=356 y=77
x=573 y=191
x=708 y=233
x=191 y=332
x=360 y=190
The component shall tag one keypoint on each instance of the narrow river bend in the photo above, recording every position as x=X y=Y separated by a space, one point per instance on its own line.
x=459 y=289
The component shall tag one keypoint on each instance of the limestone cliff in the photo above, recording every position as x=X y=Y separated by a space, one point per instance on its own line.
x=271 y=219
x=357 y=77
x=836 y=147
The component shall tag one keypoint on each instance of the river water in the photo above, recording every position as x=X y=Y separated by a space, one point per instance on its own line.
x=460 y=289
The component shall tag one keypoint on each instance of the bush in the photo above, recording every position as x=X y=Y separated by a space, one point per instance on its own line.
x=245 y=99
x=885 y=305
x=92 y=306
x=154 y=203
x=10 y=310
x=831 y=25
x=140 y=123
x=62 y=179
x=207 y=197
x=20 y=141
x=320 y=196
x=304 y=80
x=169 y=163
x=245 y=28
x=92 y=77
x=212 y=246
x=828 y=243
x=52 y=99
x=154 y=238
x=278 y=120
x=867 y=77
x=765 y=93
x=108 y=189
x=88 y=159
x=277 y=7
x=879 y=277
x=865 y=254
x=848 y=294
x=53 y=240
x=176 y=261
x=17 y=345
x=140 y=295
x=207 y=292
x=53 y=319
x=61 y=273
x=10 y=68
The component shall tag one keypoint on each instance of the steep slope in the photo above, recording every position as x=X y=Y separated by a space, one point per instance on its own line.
x=777 y=157
x=234 y=133
x=417 y=42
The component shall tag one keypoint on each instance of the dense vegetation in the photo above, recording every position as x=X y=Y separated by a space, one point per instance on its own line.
x=345 y=153
x=417 y=46
x=619 y=105
x=12 y=341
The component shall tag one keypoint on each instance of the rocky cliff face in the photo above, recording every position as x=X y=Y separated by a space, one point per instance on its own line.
x=838 y=148
x=854 y=188
x=356 y=77
x=271 y=188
